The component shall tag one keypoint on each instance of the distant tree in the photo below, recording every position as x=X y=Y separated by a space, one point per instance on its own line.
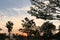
x=9 y=25
x=47 y=28
x=29 y=26
x=28 y=23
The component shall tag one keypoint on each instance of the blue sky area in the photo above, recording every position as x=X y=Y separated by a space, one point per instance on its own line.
x=13 y=3
x=12 y=7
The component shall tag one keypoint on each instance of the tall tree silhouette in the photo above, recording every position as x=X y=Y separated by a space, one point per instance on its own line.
x=9 y=25
x=45 y=10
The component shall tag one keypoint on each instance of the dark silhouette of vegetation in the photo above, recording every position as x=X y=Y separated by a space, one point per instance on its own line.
x=28 y=23
x=47 y=28
x=45 y=11
x=9 y=25
x=29 y=26
x=2 y=36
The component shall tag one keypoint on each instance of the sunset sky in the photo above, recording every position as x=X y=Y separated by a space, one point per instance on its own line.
x=15 y=11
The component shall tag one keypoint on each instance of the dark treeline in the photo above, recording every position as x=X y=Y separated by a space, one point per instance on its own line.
x=19 y=37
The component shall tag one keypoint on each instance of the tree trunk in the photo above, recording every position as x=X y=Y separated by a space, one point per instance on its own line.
x=9 y=35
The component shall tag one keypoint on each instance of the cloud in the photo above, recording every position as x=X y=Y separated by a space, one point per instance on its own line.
x=21 y=9
x=14 y=11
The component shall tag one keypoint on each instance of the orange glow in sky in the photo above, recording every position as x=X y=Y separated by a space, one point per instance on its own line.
x=17 y=23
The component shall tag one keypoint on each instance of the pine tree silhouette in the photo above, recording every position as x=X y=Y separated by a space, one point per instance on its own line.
x=45 y=10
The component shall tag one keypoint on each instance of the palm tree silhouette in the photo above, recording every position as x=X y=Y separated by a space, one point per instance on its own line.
x=9 y=25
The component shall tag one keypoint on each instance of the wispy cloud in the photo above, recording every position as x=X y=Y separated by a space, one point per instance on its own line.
x=22 y=9
x=14 y=11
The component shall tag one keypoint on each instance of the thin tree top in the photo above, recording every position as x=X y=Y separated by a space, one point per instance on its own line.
x=9 y=24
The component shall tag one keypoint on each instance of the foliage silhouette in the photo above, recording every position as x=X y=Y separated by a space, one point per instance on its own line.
x=2 y=36
x=47 y=29
x=28 y=23
x=45 y=10
x=48 y=26
x=9 y=25
x=30 y=27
